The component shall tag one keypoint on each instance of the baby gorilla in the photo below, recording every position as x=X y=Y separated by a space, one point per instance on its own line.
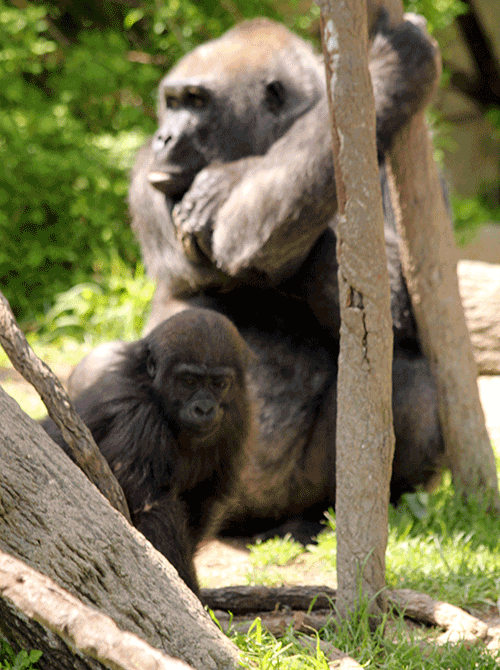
x=172 y=417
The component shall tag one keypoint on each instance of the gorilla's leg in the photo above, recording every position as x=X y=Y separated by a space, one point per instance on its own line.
x=419 y=452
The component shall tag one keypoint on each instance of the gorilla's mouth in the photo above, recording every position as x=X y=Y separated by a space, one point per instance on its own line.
x=173 y=183
x=200 y=435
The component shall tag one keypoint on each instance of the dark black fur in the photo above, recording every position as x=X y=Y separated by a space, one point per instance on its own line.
x=233 y=202
x=172 y=431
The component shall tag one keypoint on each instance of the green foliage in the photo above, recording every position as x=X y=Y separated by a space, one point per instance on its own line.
x=263 y=652
x=469 y=215
x=116 y=307
x=23 y=660
x=439 y=13
x=64 y=151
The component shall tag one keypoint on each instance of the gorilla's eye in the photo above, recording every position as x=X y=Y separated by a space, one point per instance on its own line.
x=220 y=384
x=151 y=366
x=275 y=96
x=189 y=380
x=172 y=102
x=194 y=100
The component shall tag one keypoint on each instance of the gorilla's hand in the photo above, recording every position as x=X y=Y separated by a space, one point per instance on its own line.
x=195 y=214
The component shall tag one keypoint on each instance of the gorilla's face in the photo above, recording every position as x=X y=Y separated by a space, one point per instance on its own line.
x=229 y=99
x=179 y=144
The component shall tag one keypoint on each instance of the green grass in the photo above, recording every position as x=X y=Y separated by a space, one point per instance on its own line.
x=390 y=647
x=115 y=308
x=439 y=545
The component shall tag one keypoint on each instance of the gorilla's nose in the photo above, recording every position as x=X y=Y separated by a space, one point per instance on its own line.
x=204 y=409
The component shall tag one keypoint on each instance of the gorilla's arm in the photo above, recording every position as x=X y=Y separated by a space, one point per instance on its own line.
x=163 y=253
x=263 y=214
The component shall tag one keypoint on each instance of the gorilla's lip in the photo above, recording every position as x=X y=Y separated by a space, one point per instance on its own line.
x=157 y=176
x=172 y=182
x=202 y=431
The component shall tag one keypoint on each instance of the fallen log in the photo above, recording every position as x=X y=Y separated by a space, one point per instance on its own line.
x=479 y=285
x=245 y=599
x=309 y=608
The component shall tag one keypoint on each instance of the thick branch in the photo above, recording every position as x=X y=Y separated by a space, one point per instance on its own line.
x=429 y=260
x=457 y=624
x=78 y=437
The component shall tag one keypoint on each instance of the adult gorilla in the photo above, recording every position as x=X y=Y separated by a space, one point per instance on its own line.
x=233 y=202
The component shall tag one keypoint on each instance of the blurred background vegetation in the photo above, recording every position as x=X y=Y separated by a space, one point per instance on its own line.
x=77 y=90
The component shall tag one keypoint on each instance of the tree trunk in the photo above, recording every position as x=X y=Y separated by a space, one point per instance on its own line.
x=56 y=521
x=429 y=261
x=365 y=439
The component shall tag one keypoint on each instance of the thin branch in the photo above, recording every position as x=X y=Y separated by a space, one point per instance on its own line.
x=60 y=408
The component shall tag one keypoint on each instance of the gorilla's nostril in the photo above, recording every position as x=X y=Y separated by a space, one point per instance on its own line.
x=160 y=141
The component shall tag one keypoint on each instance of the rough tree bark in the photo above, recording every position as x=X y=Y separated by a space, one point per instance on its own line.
x=429 y=260
x=56 y=521
x=365 y=439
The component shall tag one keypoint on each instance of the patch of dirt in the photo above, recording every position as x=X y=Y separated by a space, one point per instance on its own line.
x=223 y=563
x=227 y=563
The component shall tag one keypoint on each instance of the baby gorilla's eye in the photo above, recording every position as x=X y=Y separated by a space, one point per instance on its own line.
x=189 y=380
x=220 y=384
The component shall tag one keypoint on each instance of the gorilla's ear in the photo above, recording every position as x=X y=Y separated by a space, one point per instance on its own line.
x=275 y=96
